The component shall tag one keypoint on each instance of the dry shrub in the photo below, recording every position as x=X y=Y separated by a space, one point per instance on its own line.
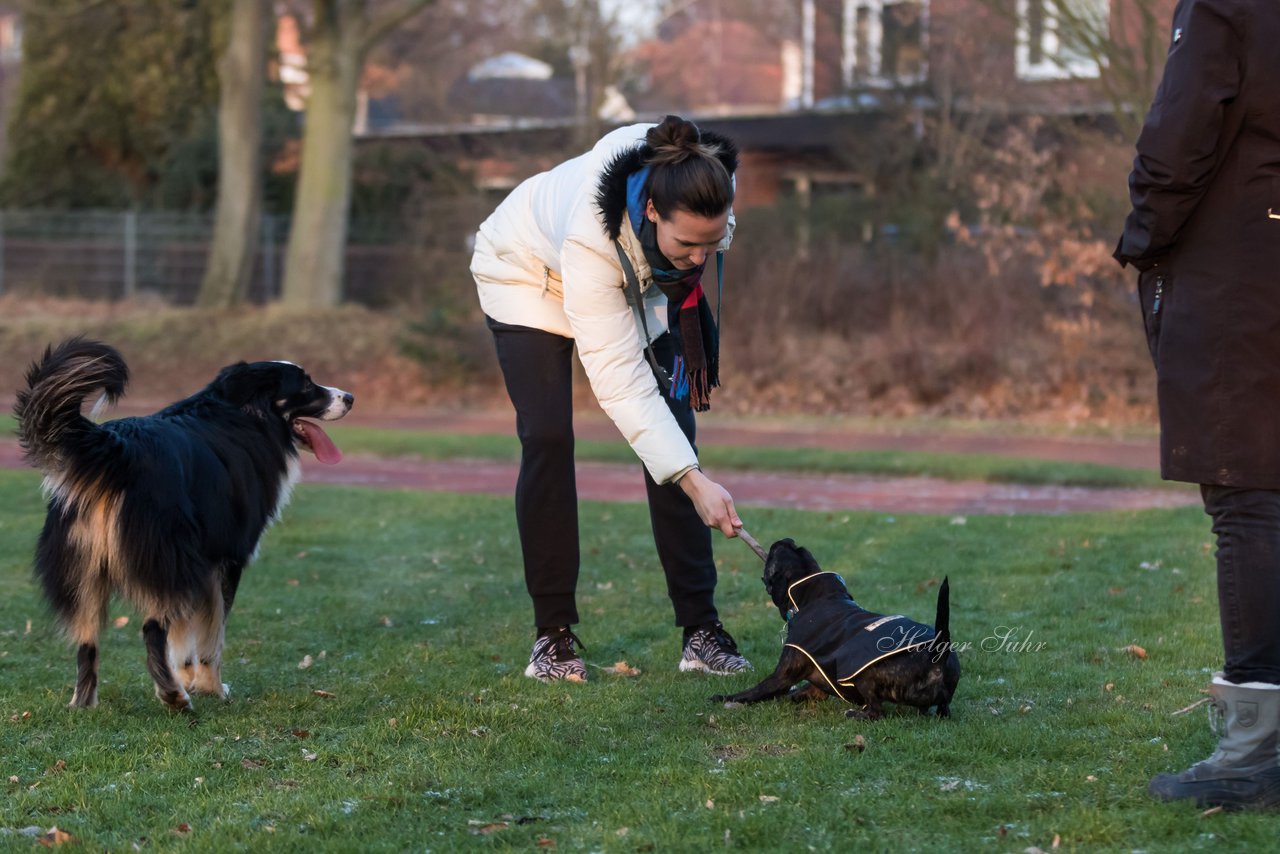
x=174 y=351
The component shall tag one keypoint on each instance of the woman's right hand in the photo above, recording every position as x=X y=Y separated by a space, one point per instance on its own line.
x=712 y=501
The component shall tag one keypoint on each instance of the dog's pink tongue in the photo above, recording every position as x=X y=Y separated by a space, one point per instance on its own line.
x=321 y=445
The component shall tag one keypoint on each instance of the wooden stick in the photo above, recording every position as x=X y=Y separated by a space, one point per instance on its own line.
x=751 y=541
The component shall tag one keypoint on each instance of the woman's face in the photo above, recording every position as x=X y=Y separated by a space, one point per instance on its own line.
x=687 y=239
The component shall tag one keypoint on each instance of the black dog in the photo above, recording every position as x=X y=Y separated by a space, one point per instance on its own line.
x=843 y=650
x=166 y=509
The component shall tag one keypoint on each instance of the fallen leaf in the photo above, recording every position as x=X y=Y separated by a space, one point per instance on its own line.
x=320 y=693
x=1135 y=650
x=13 y=778
x=121 y=622
x=769 y=799
x=306 y=662
x=621 y=668
x=55 y=837
x=545 y=842
x=386 y=621
x=710 y=804
x=622 y=831
x=859 y=744
x=484 y=829
x=308 y=756
x=293 y=582
x=392 y=722
x=252 y=763
x=182 y=828
x=1211 y=811
x=56 y=768
x=1057 y=840
x=1091 y=779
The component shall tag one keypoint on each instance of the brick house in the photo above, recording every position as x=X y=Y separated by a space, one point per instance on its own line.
x=795 y=88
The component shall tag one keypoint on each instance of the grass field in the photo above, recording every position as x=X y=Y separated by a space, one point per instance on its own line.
x=983 y=467
x=411 y=613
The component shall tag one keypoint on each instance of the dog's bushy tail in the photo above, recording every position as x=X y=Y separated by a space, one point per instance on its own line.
x=50 y=424
x=942 y=622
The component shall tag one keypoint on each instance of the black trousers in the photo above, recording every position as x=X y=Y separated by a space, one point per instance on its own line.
x=1247 y=525
x=538 y=369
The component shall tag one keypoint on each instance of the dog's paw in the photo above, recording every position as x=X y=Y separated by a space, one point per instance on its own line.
x=179 y=701
x=864 y=714
x=808 y=694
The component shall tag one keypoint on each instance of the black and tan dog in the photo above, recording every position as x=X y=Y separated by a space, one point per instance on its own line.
x=843 y=650
x=165 y=509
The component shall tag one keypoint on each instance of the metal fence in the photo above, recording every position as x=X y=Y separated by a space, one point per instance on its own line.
x=115 y=255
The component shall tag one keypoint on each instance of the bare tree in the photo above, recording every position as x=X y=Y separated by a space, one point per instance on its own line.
x=1121 y=43
x=241 y=77
x=339 y=38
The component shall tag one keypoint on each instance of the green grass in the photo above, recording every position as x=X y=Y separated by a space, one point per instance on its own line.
x=413 y=610
x=990 y=468
x=720 y=457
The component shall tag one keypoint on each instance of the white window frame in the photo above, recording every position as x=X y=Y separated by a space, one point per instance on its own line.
x=1055 y=63
x=875 y=37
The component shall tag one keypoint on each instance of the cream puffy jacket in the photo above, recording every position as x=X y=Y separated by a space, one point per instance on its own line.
x=546 y=259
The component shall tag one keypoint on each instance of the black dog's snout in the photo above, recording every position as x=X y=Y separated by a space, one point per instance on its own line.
x=348 y=399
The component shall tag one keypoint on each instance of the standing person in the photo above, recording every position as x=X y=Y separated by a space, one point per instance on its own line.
x=1204 y=234
x=606 y=251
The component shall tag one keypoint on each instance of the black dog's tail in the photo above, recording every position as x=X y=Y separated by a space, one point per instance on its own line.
x=942 y=622
x=48 y=410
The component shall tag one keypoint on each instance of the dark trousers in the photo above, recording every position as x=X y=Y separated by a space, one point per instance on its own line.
x=1247 y=525
x=538 y=369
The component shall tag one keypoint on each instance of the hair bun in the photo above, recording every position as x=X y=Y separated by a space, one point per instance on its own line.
x=686 y=172
x=674 y=132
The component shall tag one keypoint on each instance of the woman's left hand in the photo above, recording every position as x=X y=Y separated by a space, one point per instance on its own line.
x=712 y=501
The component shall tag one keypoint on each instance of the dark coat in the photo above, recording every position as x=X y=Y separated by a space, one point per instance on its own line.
x=840 y=637
x=1205 y=234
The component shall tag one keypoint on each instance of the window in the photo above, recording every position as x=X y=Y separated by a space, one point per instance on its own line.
x=1061 y=39
x=10 y=38
x=884 y=42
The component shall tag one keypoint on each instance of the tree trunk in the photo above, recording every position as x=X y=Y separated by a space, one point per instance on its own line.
x=340 y=39
x=242 y=75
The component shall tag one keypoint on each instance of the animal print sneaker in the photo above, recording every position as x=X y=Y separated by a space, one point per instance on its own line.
x=711 y=649
x=554 y=658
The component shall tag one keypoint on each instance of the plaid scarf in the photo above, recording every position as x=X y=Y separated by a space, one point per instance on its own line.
x=689 y=319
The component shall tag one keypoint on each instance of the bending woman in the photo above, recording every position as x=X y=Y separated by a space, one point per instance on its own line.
x=606 y=251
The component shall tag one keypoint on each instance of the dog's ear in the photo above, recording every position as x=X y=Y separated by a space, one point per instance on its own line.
x=252 y=388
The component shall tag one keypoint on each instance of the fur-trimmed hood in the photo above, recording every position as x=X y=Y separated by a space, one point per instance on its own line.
x=611 y=193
